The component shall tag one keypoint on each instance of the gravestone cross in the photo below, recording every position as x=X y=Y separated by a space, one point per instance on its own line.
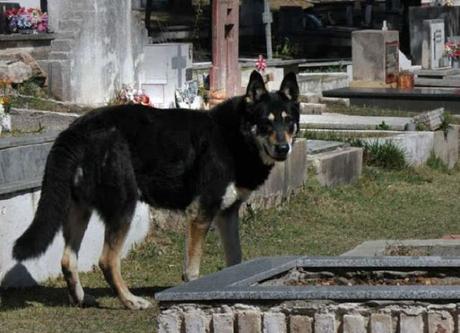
x=179 y=62
x=225 y=71
x=433 y=43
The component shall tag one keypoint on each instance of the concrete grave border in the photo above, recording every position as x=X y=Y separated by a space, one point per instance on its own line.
x=238 y=282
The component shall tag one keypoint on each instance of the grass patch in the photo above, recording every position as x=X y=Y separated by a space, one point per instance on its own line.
x=385 y=155
x=436 y=163
x=410 y=203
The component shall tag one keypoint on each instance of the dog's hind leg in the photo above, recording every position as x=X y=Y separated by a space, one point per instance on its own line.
x=197 y=228
x=227 y=221
x=109 y=262
x=74 y=230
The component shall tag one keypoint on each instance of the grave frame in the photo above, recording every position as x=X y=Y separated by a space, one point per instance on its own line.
x=237 y=283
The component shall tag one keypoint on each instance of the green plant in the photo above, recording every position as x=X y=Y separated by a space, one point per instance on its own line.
x=385 y=155
x=32 y=87
x=435 y=163
x=286 y=49
x=447 y=119
x=382 y=126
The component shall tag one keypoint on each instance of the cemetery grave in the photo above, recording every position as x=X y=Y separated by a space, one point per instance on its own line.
x=363 y=295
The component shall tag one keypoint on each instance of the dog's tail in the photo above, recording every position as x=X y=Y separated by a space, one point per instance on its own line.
x=55 y=199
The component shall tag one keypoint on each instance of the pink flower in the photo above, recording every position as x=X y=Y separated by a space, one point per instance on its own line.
x=261 y=63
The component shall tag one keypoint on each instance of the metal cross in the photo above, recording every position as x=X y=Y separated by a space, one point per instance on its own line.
x=179 y=62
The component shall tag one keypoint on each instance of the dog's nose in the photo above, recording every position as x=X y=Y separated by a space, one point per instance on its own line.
x=282 y=149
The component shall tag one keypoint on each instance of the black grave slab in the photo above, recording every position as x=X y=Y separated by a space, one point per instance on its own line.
x=240 y=282
x=417 y=99
x=22 y=162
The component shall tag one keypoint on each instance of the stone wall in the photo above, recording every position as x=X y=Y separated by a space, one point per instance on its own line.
x=312 y=317
x=99 y=48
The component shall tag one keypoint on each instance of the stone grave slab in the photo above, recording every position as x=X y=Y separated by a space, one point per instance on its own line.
x=346 y=122
x=321 y=146
x=243 y=281
x=418 y=99
x=435 y=247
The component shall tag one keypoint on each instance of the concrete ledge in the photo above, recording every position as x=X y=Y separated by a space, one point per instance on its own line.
x=17 y=213
x=417 y=146
x=337 y=167
x=318 y=82
x=437 y=247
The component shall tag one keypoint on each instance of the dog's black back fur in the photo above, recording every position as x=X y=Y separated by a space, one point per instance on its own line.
x=114 y=156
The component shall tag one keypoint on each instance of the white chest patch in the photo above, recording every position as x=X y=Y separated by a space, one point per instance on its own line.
x=230 y=196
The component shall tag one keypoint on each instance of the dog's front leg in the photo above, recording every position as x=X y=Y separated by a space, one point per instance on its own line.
x=197 y=228
x=227 y=221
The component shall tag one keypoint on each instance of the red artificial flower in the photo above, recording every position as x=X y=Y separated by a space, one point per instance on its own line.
x=261 y=63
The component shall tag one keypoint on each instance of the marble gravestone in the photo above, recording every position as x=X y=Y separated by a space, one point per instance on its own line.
x=375 y=57
x=433 y=44
x=166 y=68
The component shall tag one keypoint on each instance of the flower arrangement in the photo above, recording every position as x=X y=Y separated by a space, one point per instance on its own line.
x=452 y=50
x=5 y=94
x=27 y=19
x=129 y=95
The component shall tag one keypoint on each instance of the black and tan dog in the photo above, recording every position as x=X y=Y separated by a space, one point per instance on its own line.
x=206 y=163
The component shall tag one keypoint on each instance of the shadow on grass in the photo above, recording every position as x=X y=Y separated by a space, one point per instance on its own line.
x=17 y=298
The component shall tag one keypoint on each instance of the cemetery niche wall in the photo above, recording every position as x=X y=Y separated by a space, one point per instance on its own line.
x=99 y=48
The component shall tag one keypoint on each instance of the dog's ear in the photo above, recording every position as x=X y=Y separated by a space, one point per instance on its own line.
x=289 y=87
x=256 y=88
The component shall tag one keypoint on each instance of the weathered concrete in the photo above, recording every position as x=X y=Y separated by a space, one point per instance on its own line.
x=316 y=83
x=103 y=55
x=17 y=213
x=417 y=147
x=436 y=247
x=375 y=56
x=28 y=120
x=337 y=167
x=284 y=179
x=346 y=122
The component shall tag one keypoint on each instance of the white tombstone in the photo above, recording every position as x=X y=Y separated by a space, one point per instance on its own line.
x=166 y=68
x=433 y=43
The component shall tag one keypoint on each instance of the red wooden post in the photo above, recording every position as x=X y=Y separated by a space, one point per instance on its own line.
x=225 y=73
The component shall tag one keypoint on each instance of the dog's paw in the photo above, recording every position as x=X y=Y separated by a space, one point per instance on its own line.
x=136 y=303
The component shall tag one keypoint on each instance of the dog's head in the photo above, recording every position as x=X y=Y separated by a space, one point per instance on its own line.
x=272 y=118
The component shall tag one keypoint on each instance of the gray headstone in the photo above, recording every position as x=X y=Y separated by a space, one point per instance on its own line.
x=165 y=70
x=375 y=55
x=451 y=16
x=433 y=43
